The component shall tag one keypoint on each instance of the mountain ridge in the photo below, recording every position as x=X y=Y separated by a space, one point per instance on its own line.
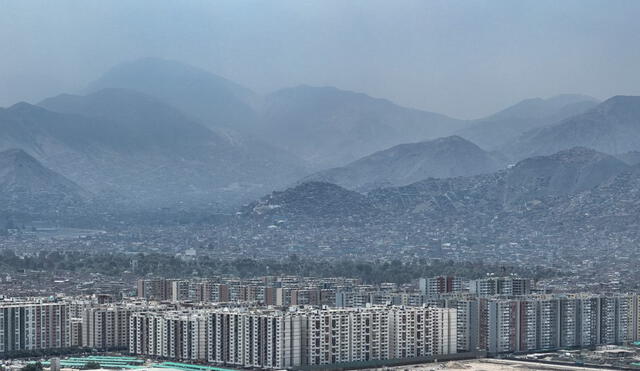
x=410 y=162
x=610 y=127
x=26 y=186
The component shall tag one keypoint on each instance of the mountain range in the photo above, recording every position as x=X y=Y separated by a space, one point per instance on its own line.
x=330 y=127
x=323 y=126
x=532 y=183
x=124 y=143
x=158 y=132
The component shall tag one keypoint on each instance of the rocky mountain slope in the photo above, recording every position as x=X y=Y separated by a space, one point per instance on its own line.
x=331 y=127
x=532 y=184
x=26 y=186
x=211 y=99
x=501 y=128
x=612 y=127
x=124 y=143
x=576 y=202
x=408 y=163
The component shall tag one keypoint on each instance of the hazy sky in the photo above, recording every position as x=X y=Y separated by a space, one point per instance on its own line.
x=462 y=58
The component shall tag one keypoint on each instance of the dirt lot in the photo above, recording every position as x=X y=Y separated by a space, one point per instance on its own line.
x=488 y=365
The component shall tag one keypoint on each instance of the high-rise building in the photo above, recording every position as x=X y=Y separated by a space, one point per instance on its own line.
x=179 y=335
x=106 y=326
x=510 y=285
x=33 y=325
x=435 y=286
x=267 y=338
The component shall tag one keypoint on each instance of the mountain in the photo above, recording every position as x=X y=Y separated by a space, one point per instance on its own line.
x=630 y=158
x=329 y=127
x=505 y=126
x=128 y=144
x=532 y=183
x=578 y=201
x=566 y=172
x=26 y=186
x=210 y=99
x=310 y=199
x=611 y=127
x=408 y=163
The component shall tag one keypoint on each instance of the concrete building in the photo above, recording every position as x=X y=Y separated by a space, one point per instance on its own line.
x=510 y=286
x=267 y=338
x=435 y=286
x=33 y=325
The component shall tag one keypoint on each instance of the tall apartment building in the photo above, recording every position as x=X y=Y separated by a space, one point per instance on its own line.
x=548 y=322
x=509 y=285
x=267 y=338
x=467 y=321
x=106 y=327
x=180 y=335
x=308 y=296
x=503 y=326
x=569 y=322
x=348 y=335
x=256 y=338
x=181 y=290
x=75 y=332
x=435 y=286
x=33 y=325
x=154 y=289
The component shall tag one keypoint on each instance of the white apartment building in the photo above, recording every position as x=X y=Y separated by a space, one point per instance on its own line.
x=33 y=325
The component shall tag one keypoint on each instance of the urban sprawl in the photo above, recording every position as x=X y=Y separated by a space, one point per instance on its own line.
x=296 y=322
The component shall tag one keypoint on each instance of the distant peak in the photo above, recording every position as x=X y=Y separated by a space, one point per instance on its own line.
x=22 y=106
x=453 y=140
x=622 y=99
x=621 y=104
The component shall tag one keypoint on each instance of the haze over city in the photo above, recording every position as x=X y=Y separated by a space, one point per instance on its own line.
x=466 y=59
x=319 y=185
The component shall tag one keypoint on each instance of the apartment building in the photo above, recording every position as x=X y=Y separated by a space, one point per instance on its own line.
x=33 y=325
x=261 y=337
x=106 y=326
x=435 y=286
x=180 y=335
x=509 y=286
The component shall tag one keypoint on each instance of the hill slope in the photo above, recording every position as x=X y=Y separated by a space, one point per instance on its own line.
x=408 y=163
x=124 y=142
x=28 y=187
x=612 y=127
x=330 y=127
x=532 y=183
x=211 y=99
x=505 y=126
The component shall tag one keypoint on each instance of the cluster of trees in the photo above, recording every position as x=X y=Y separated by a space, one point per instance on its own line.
x=168 y=265
x=45 y=353
x=37 y=366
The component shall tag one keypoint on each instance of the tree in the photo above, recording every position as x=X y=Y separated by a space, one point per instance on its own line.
x=32 y=367
x=91 y=365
